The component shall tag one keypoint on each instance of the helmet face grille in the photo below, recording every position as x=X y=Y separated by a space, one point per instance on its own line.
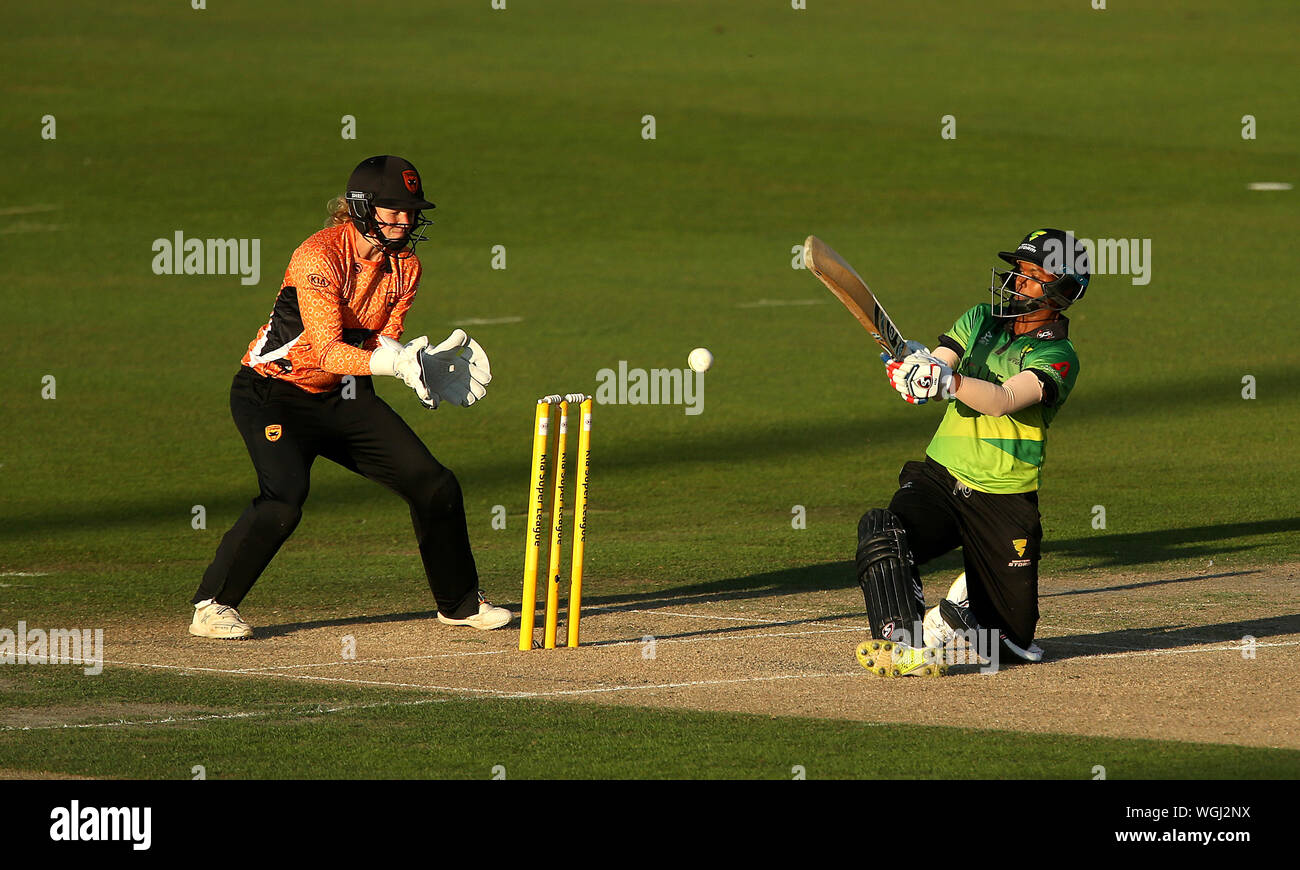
x=361 y=207
x=387 y=182
x=1056 y=252
x=1007 y=301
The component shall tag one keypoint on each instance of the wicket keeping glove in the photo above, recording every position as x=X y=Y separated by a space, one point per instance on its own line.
x=457 y=370
x=401 y=361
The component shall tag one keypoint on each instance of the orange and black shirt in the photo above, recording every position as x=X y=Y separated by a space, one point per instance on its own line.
x=330 y=312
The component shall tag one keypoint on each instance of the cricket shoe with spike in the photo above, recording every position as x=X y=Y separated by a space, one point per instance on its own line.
x=937 y=632
x=887 y=658
x=219 y=621
x=487 y=618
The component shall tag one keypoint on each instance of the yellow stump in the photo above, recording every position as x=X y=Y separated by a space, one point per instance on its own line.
x=557 y=530
x=537 y=496
x=579 y=523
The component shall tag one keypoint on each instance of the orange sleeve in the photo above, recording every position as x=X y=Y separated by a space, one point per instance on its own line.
x=320 y=304
x=396 y=324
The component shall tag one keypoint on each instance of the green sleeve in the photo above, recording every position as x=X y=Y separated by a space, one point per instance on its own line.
x=1060 y=363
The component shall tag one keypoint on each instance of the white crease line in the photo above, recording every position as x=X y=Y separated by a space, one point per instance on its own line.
x=122 y=722
x=173 y=720
x=500 y=693
x=706 y=616
x=23 y=574
x=242 y=673
x=708 y=598
x=860 y=629
x=685 y=685
x=28 y=209
x=1171 y=652
x=493 y=652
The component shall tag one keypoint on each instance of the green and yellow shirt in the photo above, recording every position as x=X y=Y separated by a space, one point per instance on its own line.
x=1003 y=454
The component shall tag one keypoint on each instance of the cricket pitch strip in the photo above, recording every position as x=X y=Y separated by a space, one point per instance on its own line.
x=1202 y=657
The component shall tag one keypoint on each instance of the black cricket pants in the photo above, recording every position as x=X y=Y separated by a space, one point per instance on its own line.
x=1000 y=535
x=285 y=428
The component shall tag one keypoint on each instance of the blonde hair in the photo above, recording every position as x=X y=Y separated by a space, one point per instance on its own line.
x=339 y=214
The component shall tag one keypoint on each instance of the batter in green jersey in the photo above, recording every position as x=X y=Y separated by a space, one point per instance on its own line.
x=1003 y=453
x=1007 y=367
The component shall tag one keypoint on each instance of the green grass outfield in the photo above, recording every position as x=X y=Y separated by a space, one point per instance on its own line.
x=771 y=124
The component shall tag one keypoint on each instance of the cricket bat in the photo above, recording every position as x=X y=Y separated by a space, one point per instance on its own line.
x=832 y=270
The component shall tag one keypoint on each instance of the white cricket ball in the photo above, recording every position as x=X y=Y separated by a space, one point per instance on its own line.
x=700 y=359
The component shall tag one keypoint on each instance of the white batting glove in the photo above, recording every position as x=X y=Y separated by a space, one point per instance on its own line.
x=457 y=370
x=401 y=361
x=919 y=377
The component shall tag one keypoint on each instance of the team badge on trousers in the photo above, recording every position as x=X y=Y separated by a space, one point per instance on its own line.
x=1020 y=544
x=273 y=432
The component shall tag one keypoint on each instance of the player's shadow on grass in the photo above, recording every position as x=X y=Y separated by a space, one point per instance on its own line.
x=1105 y=550
x=1164 y=638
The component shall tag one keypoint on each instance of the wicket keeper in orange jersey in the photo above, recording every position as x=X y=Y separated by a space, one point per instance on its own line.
x=339 y=313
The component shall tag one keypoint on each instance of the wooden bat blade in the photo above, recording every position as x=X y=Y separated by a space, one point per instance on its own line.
x=847 y=285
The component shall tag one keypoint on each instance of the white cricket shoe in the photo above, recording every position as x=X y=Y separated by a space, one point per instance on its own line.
x=937 y=632
x=1033 y=654
x=954 y=615
x=219 y=621
x=487 y=618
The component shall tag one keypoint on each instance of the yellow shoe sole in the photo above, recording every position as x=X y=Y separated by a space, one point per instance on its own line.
x=884 y=658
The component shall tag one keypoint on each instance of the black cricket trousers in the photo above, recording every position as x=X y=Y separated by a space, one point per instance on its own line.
x=285 y=428
x=1000 y=538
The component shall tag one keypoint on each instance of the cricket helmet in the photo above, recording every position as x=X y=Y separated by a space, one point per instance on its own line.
x=387 y=182
x=1056 y=252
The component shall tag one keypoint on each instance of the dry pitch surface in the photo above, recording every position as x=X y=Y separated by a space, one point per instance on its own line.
x=1159 y=655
